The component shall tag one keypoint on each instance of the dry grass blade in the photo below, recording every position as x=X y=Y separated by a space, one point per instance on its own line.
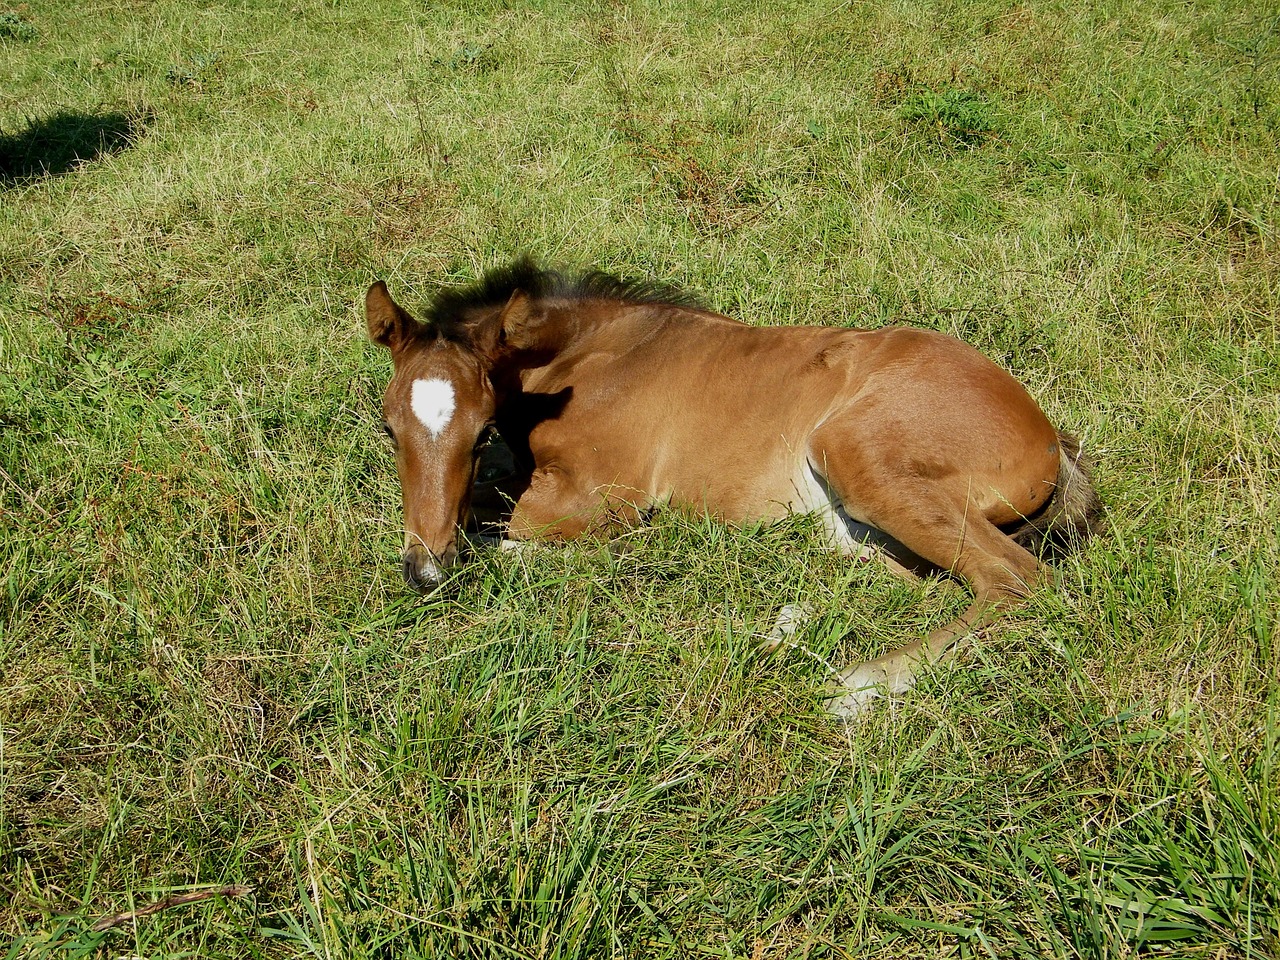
x=169 y=902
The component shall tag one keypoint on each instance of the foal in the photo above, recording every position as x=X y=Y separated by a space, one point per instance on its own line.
x=618 y=397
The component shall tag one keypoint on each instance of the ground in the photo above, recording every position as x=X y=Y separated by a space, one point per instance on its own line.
x=211 y=674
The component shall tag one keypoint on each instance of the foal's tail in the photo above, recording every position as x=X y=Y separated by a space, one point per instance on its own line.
x=1072 y=514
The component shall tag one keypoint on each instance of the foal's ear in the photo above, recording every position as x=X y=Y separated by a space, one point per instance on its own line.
x=510 y=329
x=389 y=324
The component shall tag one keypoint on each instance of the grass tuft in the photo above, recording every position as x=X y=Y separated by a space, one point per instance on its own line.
x=960 y=118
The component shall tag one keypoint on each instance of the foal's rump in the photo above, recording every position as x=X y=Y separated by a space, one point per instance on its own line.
x=925 y=412
x=1073 y=513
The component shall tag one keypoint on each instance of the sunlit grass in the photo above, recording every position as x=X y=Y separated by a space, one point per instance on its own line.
x=210 y=673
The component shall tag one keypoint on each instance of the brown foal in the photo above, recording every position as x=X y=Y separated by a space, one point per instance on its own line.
x=615 y=398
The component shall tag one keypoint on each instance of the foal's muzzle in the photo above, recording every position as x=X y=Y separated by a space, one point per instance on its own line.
x=424 y=571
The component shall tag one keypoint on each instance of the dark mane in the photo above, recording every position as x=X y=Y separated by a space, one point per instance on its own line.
x=452 y=308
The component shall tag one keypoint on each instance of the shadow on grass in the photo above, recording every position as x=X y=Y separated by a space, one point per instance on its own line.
x=58 y=144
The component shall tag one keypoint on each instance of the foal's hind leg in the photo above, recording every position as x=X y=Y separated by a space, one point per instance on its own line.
x=937 y=521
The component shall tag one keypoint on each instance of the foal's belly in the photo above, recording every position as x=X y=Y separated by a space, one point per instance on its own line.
x=782 y=490
x=747 y=487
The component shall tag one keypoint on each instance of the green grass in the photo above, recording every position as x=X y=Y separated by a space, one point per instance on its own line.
x=210 y=673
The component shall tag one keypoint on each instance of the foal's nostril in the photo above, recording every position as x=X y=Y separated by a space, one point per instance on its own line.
x=423 y=570
x=410 y=571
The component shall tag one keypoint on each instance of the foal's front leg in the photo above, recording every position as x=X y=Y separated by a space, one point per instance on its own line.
x=558 y=505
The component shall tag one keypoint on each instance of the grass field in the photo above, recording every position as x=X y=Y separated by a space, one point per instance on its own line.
x=212 y=677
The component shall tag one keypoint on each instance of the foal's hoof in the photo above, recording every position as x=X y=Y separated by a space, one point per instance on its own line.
x=790 y=619
x=848 y=705
x=854 y=689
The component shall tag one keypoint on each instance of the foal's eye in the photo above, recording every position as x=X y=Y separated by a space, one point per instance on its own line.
x=386 y=428
x=485 y=436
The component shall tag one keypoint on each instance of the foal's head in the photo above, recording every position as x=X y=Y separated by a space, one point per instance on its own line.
x=438 y=410
x=442 y=399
